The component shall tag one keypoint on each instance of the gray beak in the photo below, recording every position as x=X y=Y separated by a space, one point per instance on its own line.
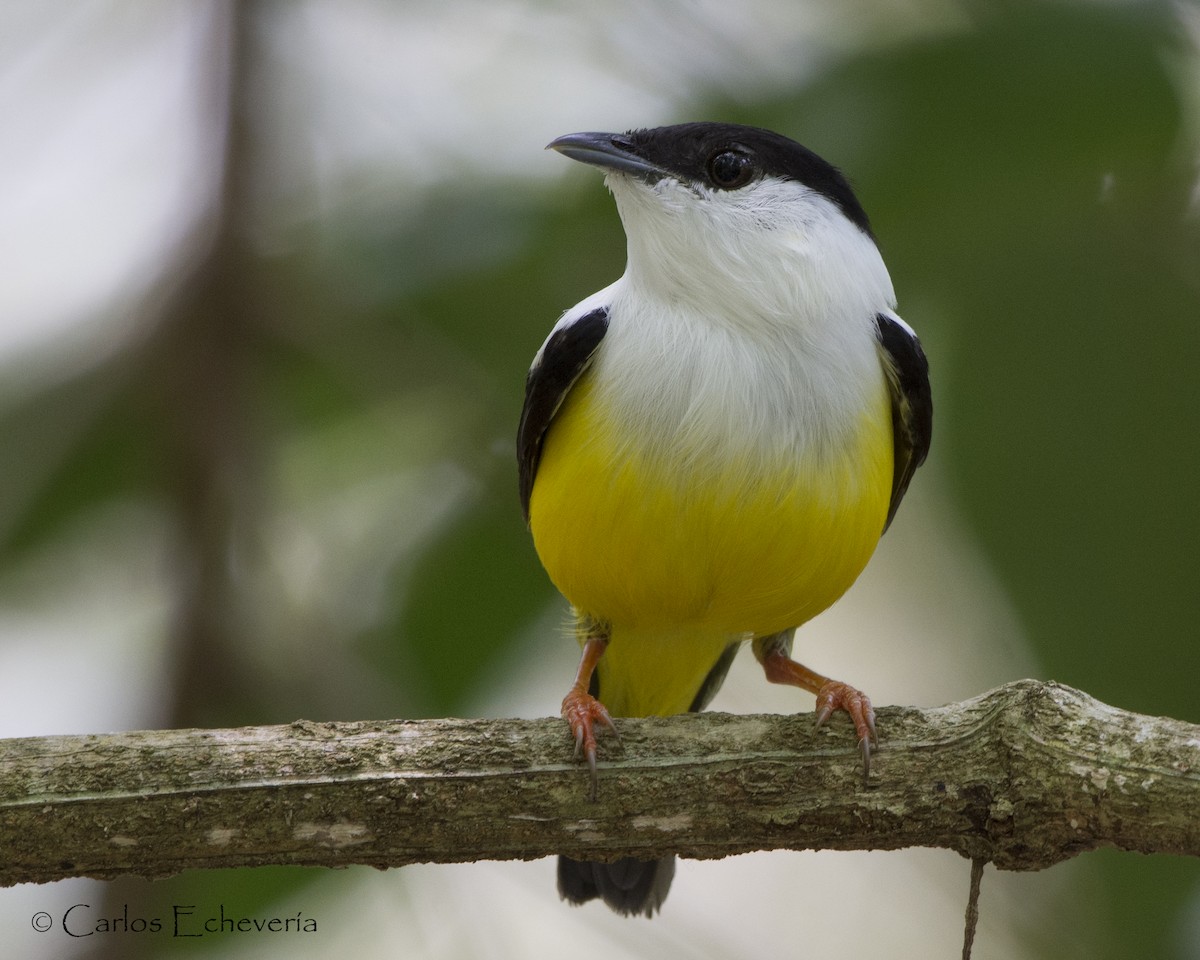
x=613 y=151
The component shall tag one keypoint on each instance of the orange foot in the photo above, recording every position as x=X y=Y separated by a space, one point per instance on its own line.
x=582 y=712
x=835 y=695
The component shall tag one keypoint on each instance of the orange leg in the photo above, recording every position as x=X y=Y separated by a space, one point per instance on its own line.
x=774 y=654
x=581 y=710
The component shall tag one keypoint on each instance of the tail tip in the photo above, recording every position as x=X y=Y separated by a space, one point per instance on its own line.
x=629 y=886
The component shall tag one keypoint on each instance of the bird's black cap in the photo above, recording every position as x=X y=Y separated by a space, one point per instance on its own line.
x=718 y=155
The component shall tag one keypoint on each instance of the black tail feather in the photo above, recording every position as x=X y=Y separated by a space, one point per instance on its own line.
x=629 y=886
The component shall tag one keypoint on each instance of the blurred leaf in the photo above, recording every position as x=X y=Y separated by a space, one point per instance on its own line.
x=473 y=589
x=72 y=447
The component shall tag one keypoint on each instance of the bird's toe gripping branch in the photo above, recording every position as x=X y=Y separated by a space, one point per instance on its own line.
x=832 y=695
x=582 y=711
x=835 y=695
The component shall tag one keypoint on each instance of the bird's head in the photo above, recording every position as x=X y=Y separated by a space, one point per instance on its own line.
x=712 y=207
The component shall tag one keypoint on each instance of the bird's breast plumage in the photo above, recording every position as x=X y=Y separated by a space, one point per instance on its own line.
x=708 y=478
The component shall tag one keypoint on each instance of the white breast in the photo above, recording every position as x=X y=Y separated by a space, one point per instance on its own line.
x=744 y=327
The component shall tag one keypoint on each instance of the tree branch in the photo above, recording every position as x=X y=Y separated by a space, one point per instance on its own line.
x=1024 y=776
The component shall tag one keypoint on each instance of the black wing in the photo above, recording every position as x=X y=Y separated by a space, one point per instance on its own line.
x=912 y=403
x=565 y=355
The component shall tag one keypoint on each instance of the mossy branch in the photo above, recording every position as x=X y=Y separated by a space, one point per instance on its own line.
x=1023 y=776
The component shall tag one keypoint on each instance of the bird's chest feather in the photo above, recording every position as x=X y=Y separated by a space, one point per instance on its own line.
x=732 y=483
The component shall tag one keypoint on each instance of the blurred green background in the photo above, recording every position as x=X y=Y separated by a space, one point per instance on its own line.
x=274 y=273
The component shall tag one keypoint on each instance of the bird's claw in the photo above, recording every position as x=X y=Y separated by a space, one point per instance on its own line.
x=582 y=712
x=835 y=695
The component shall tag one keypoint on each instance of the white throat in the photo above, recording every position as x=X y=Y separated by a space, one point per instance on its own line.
x=774 y=252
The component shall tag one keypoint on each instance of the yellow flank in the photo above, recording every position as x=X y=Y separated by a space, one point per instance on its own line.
x=681 y=556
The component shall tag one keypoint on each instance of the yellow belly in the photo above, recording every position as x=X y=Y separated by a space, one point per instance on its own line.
x=681 y=554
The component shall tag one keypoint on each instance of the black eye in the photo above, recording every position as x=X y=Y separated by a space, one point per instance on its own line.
x=730 y=169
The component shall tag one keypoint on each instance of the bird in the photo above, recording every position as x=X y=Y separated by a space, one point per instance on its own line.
x=711 y=447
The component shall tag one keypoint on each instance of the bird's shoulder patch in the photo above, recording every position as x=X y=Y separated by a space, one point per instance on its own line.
x=907 y=372
x=564 y=356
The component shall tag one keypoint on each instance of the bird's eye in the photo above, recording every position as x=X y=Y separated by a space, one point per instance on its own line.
x=730 y=169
